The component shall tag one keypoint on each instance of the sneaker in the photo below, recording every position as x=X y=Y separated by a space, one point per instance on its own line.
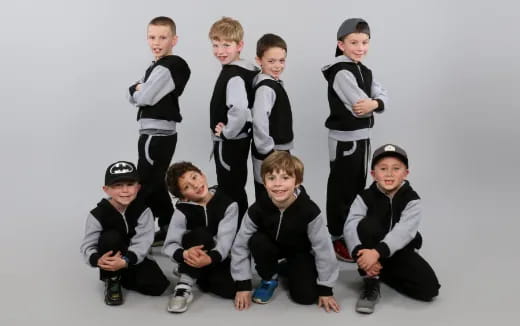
x=340 y=248
x=264 y=292
x=180 y=298
x=159 y=237
x=113 y=292
x=369 y=296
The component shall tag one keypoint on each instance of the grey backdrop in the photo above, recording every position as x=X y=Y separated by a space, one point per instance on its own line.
x=451 y=68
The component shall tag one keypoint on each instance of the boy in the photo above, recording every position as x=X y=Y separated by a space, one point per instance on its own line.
x=287 y=224
x=229 y=110
x=382 y=230
x=272 y=116
x=118 y=235
x=353 y=97
x=157 y=97
x=200 y=235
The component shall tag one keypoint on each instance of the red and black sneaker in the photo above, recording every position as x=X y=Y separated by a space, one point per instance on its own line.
x=340 y=248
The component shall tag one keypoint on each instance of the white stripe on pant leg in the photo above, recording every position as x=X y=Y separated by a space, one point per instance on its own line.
x=257 y=167
x=333 y=144
x=224 y=164
x=146 y=150
x=352 y=150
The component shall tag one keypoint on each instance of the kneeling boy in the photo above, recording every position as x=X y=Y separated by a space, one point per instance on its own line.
x=287 y=224
x=118 y=235
x=200 y=235
x=382 y=228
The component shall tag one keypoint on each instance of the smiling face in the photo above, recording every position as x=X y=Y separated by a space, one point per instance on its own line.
x=122 y=193
x=193 y=186
x=355 y=46
x=280 y=187
x=161 y=40
x=272 y=62
x=226 y=51
x=389 y=173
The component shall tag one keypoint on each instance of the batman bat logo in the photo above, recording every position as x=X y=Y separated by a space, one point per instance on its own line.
x=120 y=168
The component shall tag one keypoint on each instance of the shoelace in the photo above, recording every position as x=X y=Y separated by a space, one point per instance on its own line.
x=180 y=292
x=370 y=290
x=266 y=285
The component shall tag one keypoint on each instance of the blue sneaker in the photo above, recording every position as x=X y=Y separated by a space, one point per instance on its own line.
x=264 y=292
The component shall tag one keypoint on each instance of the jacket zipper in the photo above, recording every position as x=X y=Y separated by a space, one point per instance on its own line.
x=391 y=215
x=206 y=215
x=124 y=220
x=279 y=225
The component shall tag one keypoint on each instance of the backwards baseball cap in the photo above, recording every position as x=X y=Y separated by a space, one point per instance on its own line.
x=120 y=171
x=350 y=26
x=389 y=150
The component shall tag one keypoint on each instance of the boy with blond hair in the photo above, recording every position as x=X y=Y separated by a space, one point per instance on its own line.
x=200 y=235
x=287 y=224
x=230 y=115
x=156 y=96
x=382 y=232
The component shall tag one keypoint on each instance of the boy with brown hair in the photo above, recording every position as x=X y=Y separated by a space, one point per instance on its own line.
x=156 y=96
x=382 y=230
x=118 y=236
x=230 y=115
x=200 y=235
x=287 y=224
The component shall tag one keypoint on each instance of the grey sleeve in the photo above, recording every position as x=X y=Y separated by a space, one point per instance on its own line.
x=240 y=260
x=358 y=211
x=380 y=93
x=406 y=229
x=238 y=113
x=144 y=233
x=90 y=239
x=345 y=85
x=158 y=84
x=265 y=97
x=176 y=230
x=227 y=229
x=326 y=262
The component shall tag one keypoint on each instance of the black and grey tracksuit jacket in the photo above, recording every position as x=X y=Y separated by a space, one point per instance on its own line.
x=299 y=228
x=158 y=99
x=219 y=217
x=400 y=215
x=136 y=223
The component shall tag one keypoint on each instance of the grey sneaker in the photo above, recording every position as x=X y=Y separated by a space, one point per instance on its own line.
x=180 y=298
x=369 y=296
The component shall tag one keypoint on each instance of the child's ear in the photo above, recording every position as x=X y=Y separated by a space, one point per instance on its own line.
x=240 y=46
x=257 y=59
x=175 y=40
x=341 y=46
x=373 y=173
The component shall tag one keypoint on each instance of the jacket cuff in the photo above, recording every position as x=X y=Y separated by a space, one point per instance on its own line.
x=261 y=156
x=132 y=89
x=383 y=250
x=381 y=105
x=178 y=255
x=354 y=253
x=132 y=258
x=324 y=291
x=243 y=285
x=216 y=257
x=93 y=259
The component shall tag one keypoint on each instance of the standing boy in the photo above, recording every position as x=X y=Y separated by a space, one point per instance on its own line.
x=118 y=236
x=382 y=230
x=157 y=98
x=287 y=224
x=353 y=96
x=230 y=115
x=272 y=116
x=200 y=235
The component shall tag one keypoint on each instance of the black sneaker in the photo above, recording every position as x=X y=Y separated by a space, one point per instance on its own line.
x=160 y=236
x=113 y=292
x=369 y=296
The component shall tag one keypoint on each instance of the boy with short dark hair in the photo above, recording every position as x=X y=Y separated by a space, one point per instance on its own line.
x=200 y=235
x=353 y=96
x=272 y=116
x=118 y=236
x=157 y=97
x=287 y=224
x=382 y=230
x=230 y=117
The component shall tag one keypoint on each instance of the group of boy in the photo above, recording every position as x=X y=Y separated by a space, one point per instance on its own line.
x=212 y=234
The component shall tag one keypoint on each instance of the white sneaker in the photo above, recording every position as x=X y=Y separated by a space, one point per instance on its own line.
x=180 y=298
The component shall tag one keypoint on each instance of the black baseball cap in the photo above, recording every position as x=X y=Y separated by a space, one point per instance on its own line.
x=389 y=150
x=120 y=171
